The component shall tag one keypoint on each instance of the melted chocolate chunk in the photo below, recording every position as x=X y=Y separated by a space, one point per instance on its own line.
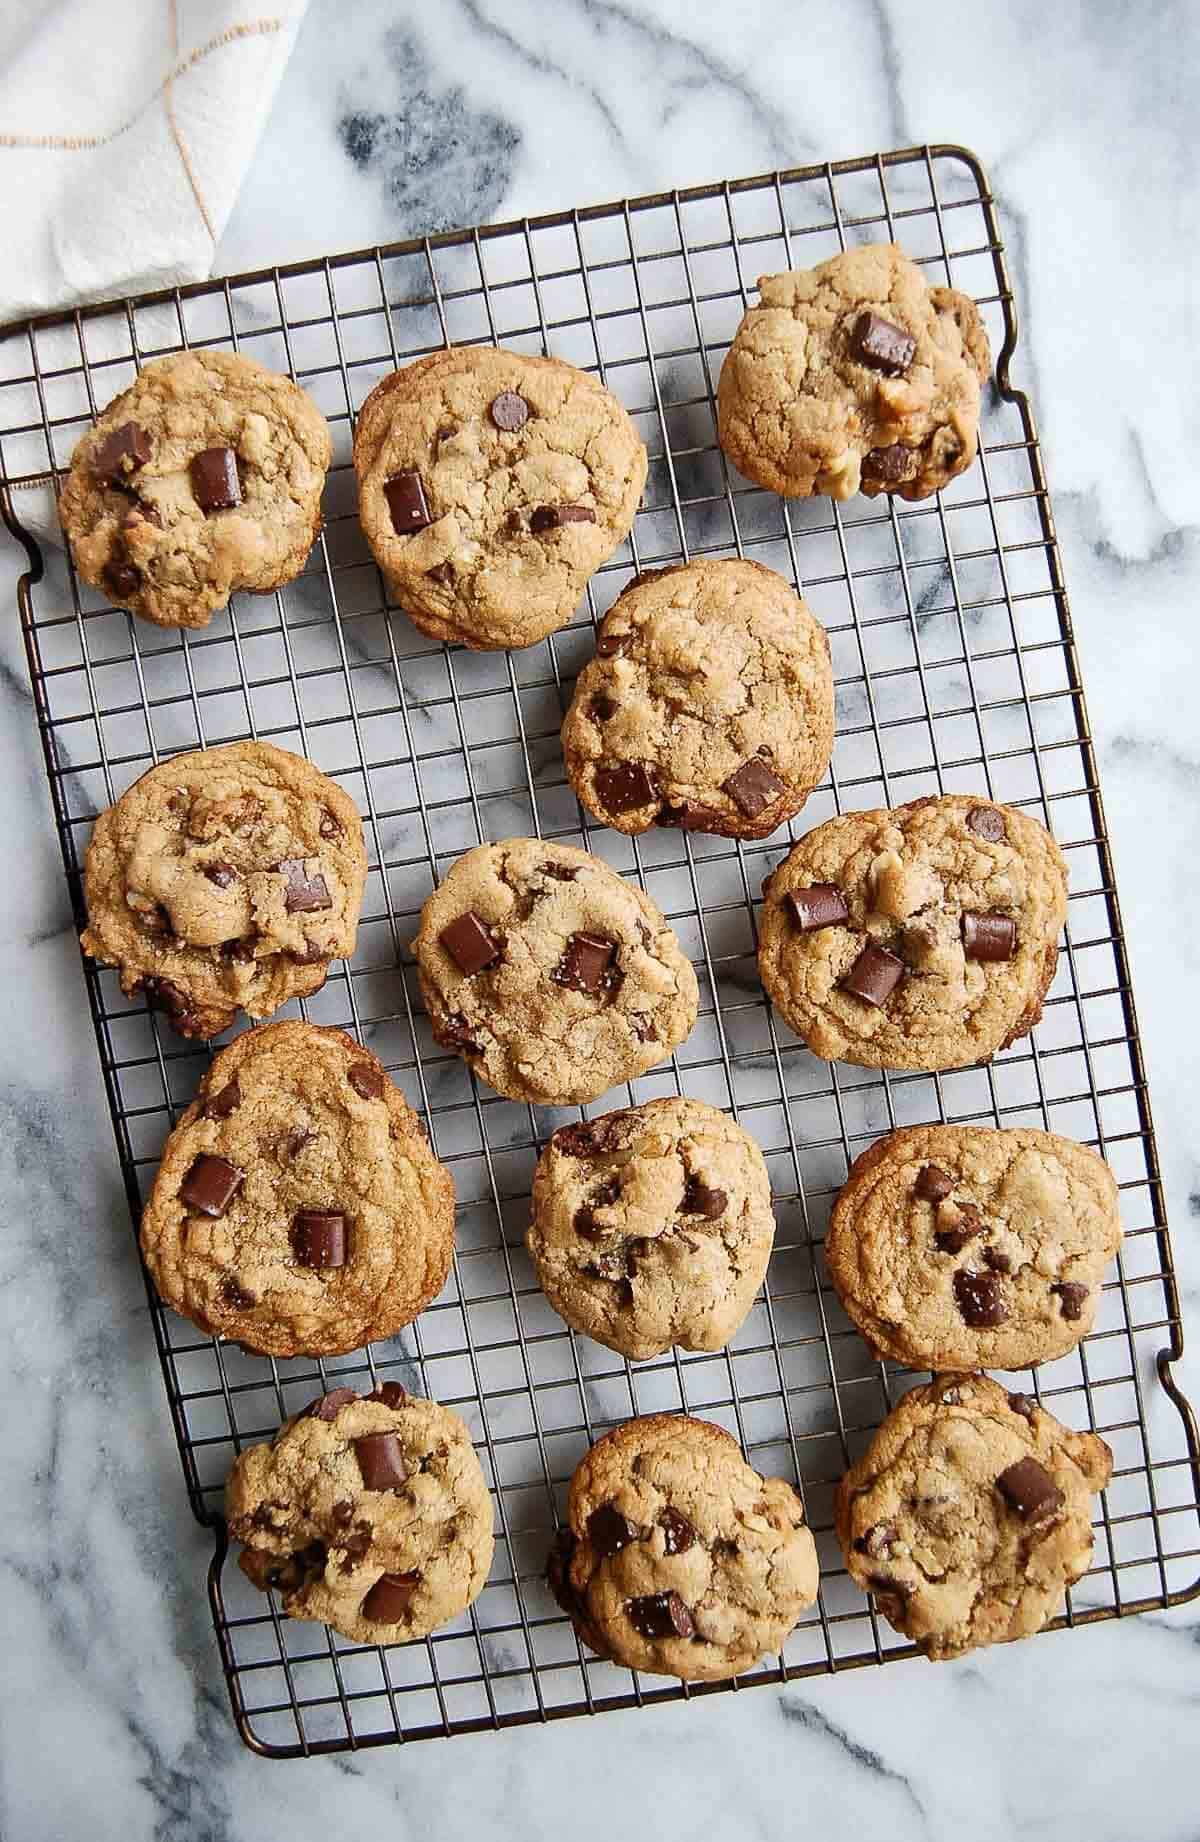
x=585 y=1222
x=986 y=822
x=215 y=482
x=678 y=1533
x=1024 y=1404
x=164 y=996
x=470 y=943
x=980 y=1298
x=222 y=1104
x=381 y=1461
x=549 y=517
x=874 y=976
x=211 y=1184
x=122 y=452
x=122 y=579
x=699 y=1199
x=999 y=1262
x=889 y=465
x=988 y=937
x=295 y=1142
x=589 y=1138
x=882 y=345
x=609 y=643
x=879 y=1541
x=661 y=1615
x=442 y=573
x=602 y=707
x=933 y=1184
x=389 y=1599
x=587 y=964
x=820 y=905
x=328 y=1406
x=390 y=1393
x=454 y=1032
x=1072 y=1298
x=625 y=785
x=510 y=411
x=1029 y=1489
x=753 y=787
x=558 y=1572
x=304 y=895
x=329 y=826
x=320 y=1238
x=234 y=1295
x=367 y=1080
x=222 y=874
x=405 y=495
x=609 y=1531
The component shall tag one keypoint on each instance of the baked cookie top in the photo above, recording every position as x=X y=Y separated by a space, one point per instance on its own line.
x=963 y=1247
x=491 y=486
x=371 y=1515
x=921 y=937
x=298 y=1208
x=551 y=976
x=203 y=477
x=652 y=1226
x=224 y=880
x=854 y=376
x=677 y=1557
x=970 y=1514
x=709 y=703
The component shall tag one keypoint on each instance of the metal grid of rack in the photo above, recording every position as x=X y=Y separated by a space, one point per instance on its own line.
x=955 y=671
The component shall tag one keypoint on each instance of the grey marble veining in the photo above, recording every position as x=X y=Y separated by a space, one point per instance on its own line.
x=397 y=120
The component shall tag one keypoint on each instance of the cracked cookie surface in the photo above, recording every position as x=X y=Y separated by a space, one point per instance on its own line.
x=965 y=1247
x=551 y=976
x=921 y=937
x=970 y=1514
x=677 y=1558
x=205 y=476
x=298 y=1208
x=225 y=880
x=709 y=704
x=652 y=1226
x=369 y=1514
x=854 y=376
x=491 y=486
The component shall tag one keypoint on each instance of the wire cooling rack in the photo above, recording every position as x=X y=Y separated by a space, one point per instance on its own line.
x=955 y=671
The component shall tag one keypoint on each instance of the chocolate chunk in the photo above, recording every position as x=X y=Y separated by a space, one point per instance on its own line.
x=988 y=937
x=454 y=1032
x=1024 y=1404
x=222 y=1104
x=587 y=964
x=699 y=1199
x=366 y=1080
x=121 y=453
x=441 y=572
x=389 y=1599
x=381 y=1460
x=1073 y=1298
x=753 y=787
x=222 y=874
x=677 y=1530
x=122 y=579
x=304 y=895
x=588 y=1138
x=211 y=1184
x=874 y=976
x=986 y=822
x=609 y=643
x=625 y=786
x=470 y=943
x=953 y=1240
x=328 y=1406
x=609 y=1531
x=820 y=905
x=235 y=1296
x=602 y=707
x=998 y=1261
x=390 y=1393
x=215 y=480
x=882 y=344
x=980 y=1299
x=405 y=495
x=879 y=1541
x=510 y=411
x=933 y=1184
x=320 y=1238
x=549 y=517
x=329 y=826
x=661 y=1615
x=1028 y=1488
x=889 y=465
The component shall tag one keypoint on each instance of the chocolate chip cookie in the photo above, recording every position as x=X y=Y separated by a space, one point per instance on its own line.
x=298 y=1209
x=652 y=1226
x=491 y=486
x=225 y=880
x=369 y=1514
x=960 y=1247
x=203 y=477
x=709 y=704
x=551 y=976
x=970 y=1514
x=924 y=937
x=854 y=376
x=678 y=1558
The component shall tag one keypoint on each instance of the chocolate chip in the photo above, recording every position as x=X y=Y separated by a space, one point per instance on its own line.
x=304 y=895
x=329 y=827
x=753 y=787
x=889 y=465
x=222 y=1104
x=510 y=411
x=381 y=1460
x=882 y=344
x=454 y=1032
x=470 y=943
x=1028 y=1488
x=588 y=1138
x=602 y=707
x=235 y=1296
x=879 y=1541
x=211 y=1184
x=1073 y=1298
x=699 y=1199
x=661 y=1615
x=587 y=964
x=366 y=1080
x=222 y=874
x=215 y=480
x=609 y=1531
x=122 y=579
x=441 y=572
x=390 y=1393
x=389 y=1599
x=328 y=1406
x=820 y=905
x=320 y=1239
x=405 y=495
x=988 y=937
x=998 y=1261
x=986 y=822
x=121 y=453
x=610 y=643
x=1024 y=1404
x=874 y=976
x=549 y=517
x=677 y=1530
x=980 y=1299
x=625 y=786
x=933 y=1183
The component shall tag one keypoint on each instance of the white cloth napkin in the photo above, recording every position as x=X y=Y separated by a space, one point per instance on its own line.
x=125 y=130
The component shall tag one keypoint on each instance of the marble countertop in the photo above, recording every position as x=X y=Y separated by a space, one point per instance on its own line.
x=397 y=119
